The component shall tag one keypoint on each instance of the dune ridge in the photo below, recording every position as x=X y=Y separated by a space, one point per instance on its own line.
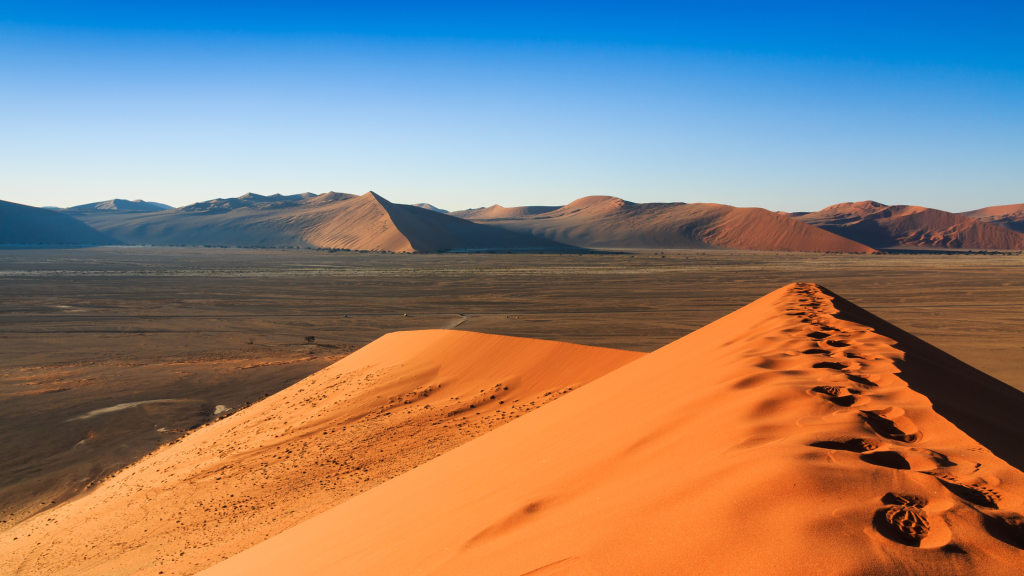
x=385 y=409
x=1008 y=216
x=332 y=220
x=787 y=437
x=880 y=226
x=610 y=222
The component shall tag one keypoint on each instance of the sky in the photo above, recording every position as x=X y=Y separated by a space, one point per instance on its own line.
x=783 y=105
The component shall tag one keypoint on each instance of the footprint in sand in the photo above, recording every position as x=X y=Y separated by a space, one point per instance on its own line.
x=916 y=460
x=840 y=395
x=892 y=423
x=906 y=521
x=974 y=492
x=831 y=365
x=859 y=445
x=818 y=351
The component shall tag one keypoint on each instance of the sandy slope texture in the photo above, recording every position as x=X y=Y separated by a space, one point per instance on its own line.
x=396 y=403
x=608 y=222
x=1008 y=216
x=21 y=224
x=497 y=212
x=881 y=226
x=781 y=439
x=332 y=220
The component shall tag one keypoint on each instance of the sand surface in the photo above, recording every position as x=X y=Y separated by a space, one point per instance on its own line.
x=608 y=222
x=393 y=405
x=881 y=226
x=791 y=436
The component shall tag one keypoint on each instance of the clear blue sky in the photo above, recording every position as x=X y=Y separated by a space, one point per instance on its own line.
x=791 y=106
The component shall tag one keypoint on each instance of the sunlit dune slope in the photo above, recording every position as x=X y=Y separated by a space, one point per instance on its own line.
x=387 y=408
x=21 y=224
x=608 y=222
x=343 y=221
x=1008 y=216
x=881 y=226
x=790 y=437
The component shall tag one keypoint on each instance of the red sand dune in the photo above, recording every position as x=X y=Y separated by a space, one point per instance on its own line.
x=21 y=224
x=367 y=222
x=1008 y=216
x=497 y=212
x=387 y=408
x=794 y=436
x=608 y=222
x=881 y=226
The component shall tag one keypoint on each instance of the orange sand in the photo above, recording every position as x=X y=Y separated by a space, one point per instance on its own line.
x=387 y=408
x=785 y=438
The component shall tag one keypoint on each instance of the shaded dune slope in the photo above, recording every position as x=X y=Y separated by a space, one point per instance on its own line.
x=881 y=226
x=20 y=224
x=608 y=222
x=367 y=222
x=787 y=437
x=387 y=408
x=1008 y=216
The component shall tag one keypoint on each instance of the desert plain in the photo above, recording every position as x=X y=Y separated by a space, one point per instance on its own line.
x=111 y=353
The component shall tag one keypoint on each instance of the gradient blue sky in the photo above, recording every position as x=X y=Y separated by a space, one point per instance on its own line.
x=788 y=106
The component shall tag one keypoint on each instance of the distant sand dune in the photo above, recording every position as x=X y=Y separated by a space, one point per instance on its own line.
x=332 y=220
x=1008 y=216
x=609 y=222
x=881 y=226
x=497 y=212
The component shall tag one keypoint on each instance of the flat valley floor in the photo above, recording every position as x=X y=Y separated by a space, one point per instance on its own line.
x=107 y=353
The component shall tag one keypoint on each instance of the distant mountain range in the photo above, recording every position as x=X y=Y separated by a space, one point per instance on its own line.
x=370 y=222
x=332 y=220
x=609 y=222
x=120 y=205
